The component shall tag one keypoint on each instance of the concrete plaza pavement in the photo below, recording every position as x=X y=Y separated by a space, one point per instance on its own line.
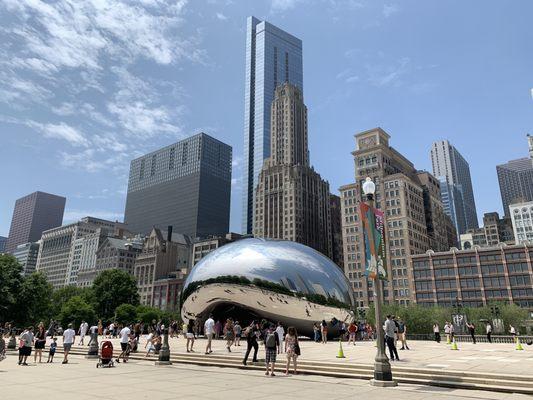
x=499 y=358
x=143 y=380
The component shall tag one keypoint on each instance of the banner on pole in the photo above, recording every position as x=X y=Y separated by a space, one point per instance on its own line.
x=373 y=221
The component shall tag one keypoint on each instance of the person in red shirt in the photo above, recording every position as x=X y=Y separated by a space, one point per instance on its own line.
x=352 y=330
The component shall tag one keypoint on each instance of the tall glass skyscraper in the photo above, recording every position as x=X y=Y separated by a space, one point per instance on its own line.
x=273 y=57
x=449 y=164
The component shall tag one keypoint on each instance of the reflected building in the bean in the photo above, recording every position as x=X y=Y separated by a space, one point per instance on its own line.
x=275 y=280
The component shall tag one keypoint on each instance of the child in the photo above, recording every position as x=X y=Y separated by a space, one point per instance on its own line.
x=52 y=350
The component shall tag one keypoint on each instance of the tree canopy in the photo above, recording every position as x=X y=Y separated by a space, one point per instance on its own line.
x=76 y=310
x=112 y=288
x=10 y=283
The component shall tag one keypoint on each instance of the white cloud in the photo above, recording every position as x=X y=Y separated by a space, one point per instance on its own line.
x=531 y=91
x=388 y=75
x=221 y=16
x=347 y=76
x=73 y=34
x=61 y=131
x=389 y=9
x=283 y=5
x=139 y=109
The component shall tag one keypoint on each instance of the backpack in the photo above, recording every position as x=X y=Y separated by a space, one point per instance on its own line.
x=270 y=341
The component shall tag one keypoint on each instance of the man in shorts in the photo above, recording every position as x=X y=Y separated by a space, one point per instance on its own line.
x=124 y=341
x=68 y=339
x=271 y=345
x=209 y=331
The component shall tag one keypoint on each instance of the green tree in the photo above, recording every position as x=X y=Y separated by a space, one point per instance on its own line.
x=147 y=314
x=10 y=283
x=111 y=288
x=75 y=310
x=62 y=295
x=34 y=299
x=126 y=314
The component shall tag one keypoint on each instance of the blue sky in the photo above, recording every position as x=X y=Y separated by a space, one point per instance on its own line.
x=87 y=86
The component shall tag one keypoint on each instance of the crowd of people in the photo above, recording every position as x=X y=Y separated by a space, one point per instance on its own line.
x=275 y=337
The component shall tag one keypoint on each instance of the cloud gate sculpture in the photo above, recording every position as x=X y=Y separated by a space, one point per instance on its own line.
x=275 y=280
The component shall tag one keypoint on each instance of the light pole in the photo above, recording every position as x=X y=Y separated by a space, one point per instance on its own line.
x=382 y=369
x=93 y=346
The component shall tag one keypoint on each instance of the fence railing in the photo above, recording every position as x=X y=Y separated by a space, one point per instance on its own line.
x=468 y=338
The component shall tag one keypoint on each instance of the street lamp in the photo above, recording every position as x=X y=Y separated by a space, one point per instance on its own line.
x=382 y=369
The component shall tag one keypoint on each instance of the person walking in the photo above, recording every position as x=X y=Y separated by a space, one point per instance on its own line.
x=218 y=328
x=149 y=345
x=342 y=330
x=92 y=330
x=271 y=345
x=292 y=348
x=52 y=351
x=209 y=331
x=316 y=331
x=472 y=330
x=237 y=330
x=489 y=332
x=452 y=332
x=83 y=331
x=124 y=341
x=137 y=330
x=390 y=329
x=25 y=343
x=324 y=331
x=402 y=334
x=436 y=332
x=512 y=331
x=447 y=332
x=100 y=328
x=352 y=332
x=251 y=333
x=281 y=336
x=40 y=341
x=190 y=336
x=229 y=335
x=68 y=340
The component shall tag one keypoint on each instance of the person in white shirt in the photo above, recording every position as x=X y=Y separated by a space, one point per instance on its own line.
x=68 y=340
x=124 y=341
x=209 y=331
x=512 y=331
x=280 y=331
x=489 y=332
x=149 y=344
x=83 y=331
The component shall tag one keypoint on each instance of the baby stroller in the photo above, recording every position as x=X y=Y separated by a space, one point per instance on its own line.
x=106 y=355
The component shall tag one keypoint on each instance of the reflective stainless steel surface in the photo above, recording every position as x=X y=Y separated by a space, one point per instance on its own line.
x=271 y=279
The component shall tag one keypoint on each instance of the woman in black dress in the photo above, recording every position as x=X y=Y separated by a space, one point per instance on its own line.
x=40 y=341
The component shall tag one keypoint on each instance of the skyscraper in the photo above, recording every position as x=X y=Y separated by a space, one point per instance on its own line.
x=64 y=249
x=33 y=214
x=186 y=185
x=291 y=199
x=3 y=242
x=415 y=218
x=273 y=57
x=516 y=179
x=449 y=165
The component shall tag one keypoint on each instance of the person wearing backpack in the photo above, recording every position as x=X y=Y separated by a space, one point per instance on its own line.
x=271 y=345
x=251 y=333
